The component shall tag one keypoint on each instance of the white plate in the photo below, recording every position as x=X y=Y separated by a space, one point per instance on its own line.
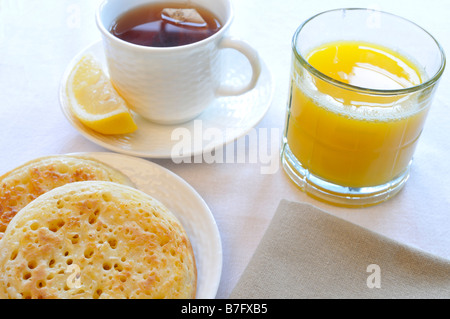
x=186 y=204
x=231 y=117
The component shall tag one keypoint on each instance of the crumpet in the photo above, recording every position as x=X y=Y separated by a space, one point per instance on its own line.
x=96 y=240
x=23 y=184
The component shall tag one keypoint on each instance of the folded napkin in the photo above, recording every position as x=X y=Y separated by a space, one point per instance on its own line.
x=308 y=253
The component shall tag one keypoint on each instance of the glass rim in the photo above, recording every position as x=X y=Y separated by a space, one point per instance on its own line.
x=433 y=79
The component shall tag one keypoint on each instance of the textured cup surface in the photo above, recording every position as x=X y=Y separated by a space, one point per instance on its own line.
x=173 y=84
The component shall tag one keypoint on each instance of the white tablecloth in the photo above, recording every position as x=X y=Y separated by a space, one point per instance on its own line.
x=39 y=38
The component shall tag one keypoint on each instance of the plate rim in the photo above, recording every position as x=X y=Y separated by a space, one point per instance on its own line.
x=65 y=108
x=218 y=256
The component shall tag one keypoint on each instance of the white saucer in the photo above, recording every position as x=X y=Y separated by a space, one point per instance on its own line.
x=186 y=204
x=227 y=119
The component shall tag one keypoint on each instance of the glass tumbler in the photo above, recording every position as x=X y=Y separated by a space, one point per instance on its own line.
x=352 y=145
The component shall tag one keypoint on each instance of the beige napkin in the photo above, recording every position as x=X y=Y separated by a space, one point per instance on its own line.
x=308 y=253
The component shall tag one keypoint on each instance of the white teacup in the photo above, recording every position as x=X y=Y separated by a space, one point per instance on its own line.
x=171 y=85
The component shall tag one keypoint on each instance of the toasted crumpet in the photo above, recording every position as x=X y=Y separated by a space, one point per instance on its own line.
x=25 y=183
x=96 y=240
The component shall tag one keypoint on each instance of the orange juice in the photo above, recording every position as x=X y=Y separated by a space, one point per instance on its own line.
x=348 y=136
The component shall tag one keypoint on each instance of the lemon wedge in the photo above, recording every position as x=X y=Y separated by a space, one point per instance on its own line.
x=95 y=102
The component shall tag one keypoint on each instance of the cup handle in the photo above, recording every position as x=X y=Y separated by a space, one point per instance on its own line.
x=252 y=56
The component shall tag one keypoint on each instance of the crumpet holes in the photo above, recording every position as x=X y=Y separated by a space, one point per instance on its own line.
x=75 y=239
x=94 y=216
x=32 y=264
x=112 y=242
x=107 y=197
x=63 y=168
x=35 y=225
x=59 y=204
x=55 y=225
x=14 y=254
x=98 y=293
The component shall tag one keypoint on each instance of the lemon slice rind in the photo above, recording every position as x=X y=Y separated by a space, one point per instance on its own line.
x=94 y=101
